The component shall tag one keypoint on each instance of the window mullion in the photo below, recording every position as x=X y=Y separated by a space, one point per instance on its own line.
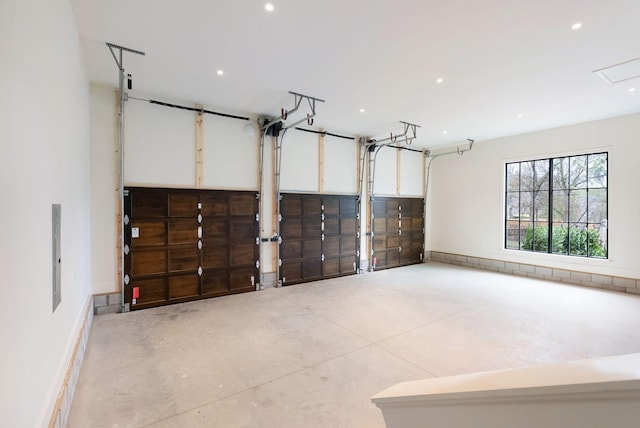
x=550 y=205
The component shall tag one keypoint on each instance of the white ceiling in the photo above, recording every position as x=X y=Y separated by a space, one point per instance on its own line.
x=498 y=59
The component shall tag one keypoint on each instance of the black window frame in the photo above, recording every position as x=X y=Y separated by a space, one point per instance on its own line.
x=550 y=222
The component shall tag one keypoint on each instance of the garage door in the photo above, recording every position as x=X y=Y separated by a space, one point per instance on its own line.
x=319 y=237
x=398 y=232
x=183 y=245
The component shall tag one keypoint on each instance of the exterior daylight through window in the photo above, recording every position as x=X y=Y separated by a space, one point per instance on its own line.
x=558 y=205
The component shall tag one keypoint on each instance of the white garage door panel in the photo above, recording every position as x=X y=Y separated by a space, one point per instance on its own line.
x=230 y=156
x=299 y=172
x=340 y=163
x=159 y=145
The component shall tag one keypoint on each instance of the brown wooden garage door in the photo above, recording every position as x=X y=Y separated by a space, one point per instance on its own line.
x=319 y=237
x=398 y=231
x=183 y=245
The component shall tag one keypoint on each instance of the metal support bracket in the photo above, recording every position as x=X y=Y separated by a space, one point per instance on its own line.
x=297 y=101
x=122 y=98
x=408 y=138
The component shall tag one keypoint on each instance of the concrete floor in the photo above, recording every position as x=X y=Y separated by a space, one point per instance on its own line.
x=312 y=355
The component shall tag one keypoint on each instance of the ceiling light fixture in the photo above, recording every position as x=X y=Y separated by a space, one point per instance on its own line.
x=520 y=114
x=268 y=7
x=632 y=89
x=220 y=72
x=444 y=132
x=361 y=110
x=439 y=80
x=576 y=26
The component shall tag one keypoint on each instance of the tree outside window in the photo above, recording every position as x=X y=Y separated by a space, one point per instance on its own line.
x=558 y=205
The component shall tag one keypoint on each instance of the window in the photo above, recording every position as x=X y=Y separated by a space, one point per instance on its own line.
x=558 y=205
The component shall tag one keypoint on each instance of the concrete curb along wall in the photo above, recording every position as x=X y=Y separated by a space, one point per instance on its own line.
x=605 y=282
x=62 y=408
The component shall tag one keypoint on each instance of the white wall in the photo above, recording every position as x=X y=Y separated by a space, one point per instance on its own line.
x=411 y=173
x=230 y=155
x=386 y=172
x=467 y=194
x=44 y=159
x=160 y=146
x=340 y=165
x=104 y=193
x=407 y=180
x=299 y=170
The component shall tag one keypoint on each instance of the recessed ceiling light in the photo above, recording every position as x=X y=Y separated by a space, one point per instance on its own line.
x=444 y=132
x=632 y=89
x=268 y=7
x=220 y=72
x=439 y=80
x=576 y=26
x=520 y=114
x=361 y=110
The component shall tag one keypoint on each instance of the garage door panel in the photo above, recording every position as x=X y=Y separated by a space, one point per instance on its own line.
x=332 y=226
x=331 y=246
x=380 y=242
x=149 y=204
x=292 y=228
x=242 y=204
x=177 y=265
x=311 y=205
x=393 y=258
x=183 y=204
x=302 y=221
x=331 y=205
x=241 y=278
x=379 y=208
x=312 y=269
x=183 y=231
x=291 y=249
x=311 y=227
x=291 y=206
x=150 y=233
x=150 y=291
x=242 y=230
x=348 y=207
x=185 y=258
x=148 y=262
x=215 y=282
x=212 y=228
x=331 y=266
x=348 y=226
x=311 y=248
x=401 y=224
x=393 y=225
x=181 y=286
x=348 y=245
x=242 y=254
x=347 y=265
x=215 y=204
x=291 y=272
x=380 y=225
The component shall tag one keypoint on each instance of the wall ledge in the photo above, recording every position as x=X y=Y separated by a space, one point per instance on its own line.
x=551 y=395
x=567 y=276
x=62 y=407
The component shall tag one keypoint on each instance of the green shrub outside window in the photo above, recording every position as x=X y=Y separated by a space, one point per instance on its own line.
x=558 y=205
